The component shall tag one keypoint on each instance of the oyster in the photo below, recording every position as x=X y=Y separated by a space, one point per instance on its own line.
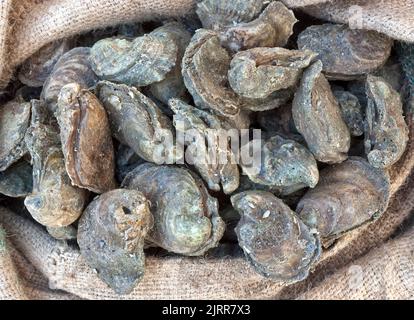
x=186 y=219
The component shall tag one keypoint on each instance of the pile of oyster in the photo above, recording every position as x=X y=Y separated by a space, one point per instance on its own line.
x=82 y=141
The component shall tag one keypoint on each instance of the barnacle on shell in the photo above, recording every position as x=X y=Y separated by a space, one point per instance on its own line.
x=318 y=118
x=14 y=121
x=73 y=66
x=283 y=164
x=216 y=14
x=258 y=72
x=272 y=28
x=54 y=201
x=186 y=219
x=86 y=139
x=140 y=62
x=386 y=134
x=275 y=241
x=35 y=70
x=111 y=236
x=346 y=53
x=347 y=196
x=136 y=121
x=214 y=160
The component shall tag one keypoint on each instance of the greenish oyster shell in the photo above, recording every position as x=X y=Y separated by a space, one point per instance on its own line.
x=258 y=72
x=218 y=168
x=216 y=14
x=386 y=133
x=111 y=237
x=186 y=219
x=54 y=201
x=275 y=241
x=272 y=28
x=136 y=121
x=284 y=165
x=173 y=84
x=14 y=121
x=17 y=180
x=140 y=62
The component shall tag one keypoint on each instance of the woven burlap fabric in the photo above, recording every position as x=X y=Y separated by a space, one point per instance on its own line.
x=386 y=272
x=393 y=17
x=34 y=266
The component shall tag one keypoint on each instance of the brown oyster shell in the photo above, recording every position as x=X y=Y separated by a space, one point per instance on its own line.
x=346 y=53
x=318 y=118
x=204 y=68
x=54 y=202
x=347 y=196
x=86 y=139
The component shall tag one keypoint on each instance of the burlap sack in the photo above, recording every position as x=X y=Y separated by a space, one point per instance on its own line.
x=364 y=264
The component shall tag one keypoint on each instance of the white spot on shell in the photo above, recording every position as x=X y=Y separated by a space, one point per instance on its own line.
x=266 y=214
